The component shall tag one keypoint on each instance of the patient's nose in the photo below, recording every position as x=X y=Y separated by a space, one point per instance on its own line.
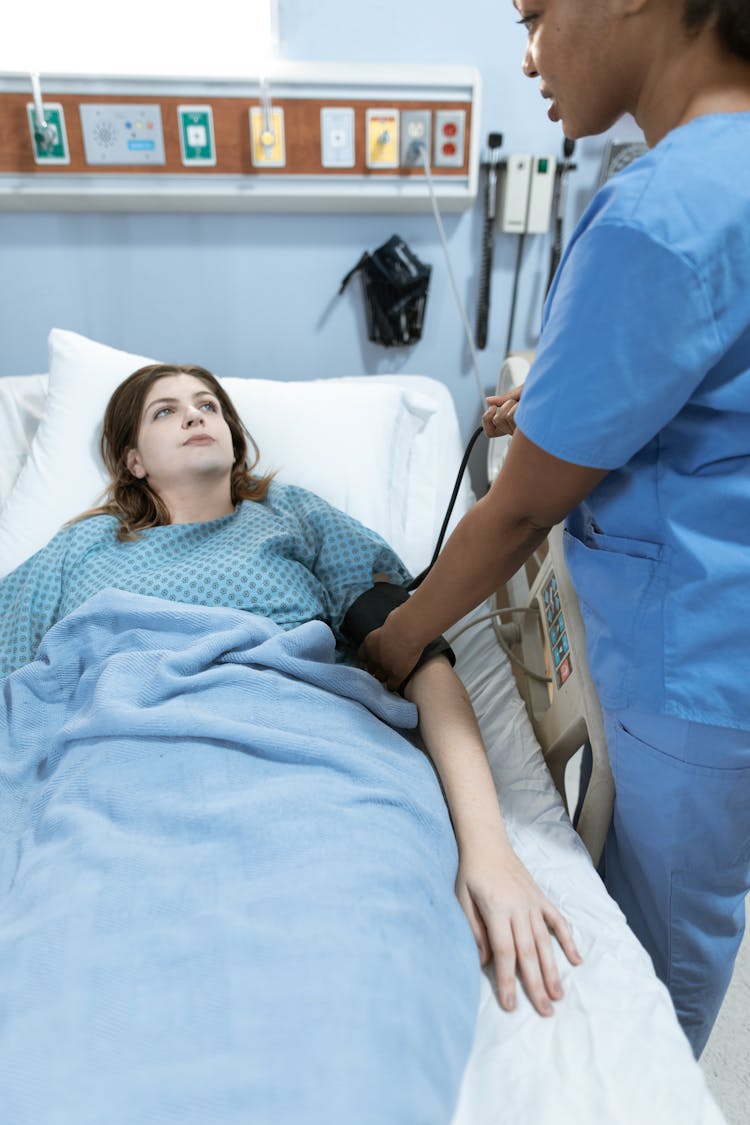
x=192 y=416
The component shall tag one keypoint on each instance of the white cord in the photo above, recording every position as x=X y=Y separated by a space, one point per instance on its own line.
x=517 y=660
x=451 y=637
x=265 y=101
x=36 y=93
x=456 y=294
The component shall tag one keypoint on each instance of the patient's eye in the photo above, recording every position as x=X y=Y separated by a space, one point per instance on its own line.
x=208 y=404
x=162 y=411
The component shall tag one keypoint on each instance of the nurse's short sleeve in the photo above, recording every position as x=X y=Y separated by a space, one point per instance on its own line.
x=628 y=336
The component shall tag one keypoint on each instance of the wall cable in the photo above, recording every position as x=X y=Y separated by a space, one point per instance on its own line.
x=419 y=146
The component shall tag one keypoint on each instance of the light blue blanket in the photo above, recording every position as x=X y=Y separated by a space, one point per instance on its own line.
x=226 y=883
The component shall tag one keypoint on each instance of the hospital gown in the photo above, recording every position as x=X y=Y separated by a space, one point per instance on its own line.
x=291 y=557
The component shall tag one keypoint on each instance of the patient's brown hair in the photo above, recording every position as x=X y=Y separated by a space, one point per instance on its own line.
x=135 y=504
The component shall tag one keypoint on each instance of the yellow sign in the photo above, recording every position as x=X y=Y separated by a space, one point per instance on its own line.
x=267 y=146
x=382 y=138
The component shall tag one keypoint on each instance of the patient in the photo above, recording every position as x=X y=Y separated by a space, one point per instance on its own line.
x=184 y=518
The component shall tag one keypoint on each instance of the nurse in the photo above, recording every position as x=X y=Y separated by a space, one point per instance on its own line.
x=634 y=428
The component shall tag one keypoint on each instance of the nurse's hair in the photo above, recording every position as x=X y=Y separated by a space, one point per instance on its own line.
x=730 y=18
x=136 y=505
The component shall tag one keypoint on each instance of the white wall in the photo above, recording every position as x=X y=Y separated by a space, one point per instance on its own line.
x=257 y=294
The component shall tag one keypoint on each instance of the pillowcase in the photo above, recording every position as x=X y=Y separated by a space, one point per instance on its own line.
x=350 y=442
x=21 y=407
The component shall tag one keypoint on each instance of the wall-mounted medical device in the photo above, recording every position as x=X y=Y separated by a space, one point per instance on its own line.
x=525 y=194
x=305 y=137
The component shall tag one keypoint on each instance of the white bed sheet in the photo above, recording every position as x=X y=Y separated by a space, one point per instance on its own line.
x=613 y=1052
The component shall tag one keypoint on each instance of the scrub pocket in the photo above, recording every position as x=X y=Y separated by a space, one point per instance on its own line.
x=620 y=584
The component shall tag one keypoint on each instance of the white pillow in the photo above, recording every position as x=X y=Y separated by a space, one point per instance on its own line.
x=347 y=441
x=21 y=408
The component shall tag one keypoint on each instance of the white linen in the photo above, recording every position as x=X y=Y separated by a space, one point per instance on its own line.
x=613 y=1053
x=21 y=406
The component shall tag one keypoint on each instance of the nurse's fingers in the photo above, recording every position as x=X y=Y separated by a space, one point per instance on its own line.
x=498 y=420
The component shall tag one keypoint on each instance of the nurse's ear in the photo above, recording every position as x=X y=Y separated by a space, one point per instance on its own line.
x=134 y=465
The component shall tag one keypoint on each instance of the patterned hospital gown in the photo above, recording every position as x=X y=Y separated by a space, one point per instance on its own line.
x=292 y=557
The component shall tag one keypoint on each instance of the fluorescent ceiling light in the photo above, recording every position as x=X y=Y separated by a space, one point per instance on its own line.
x=224 y=38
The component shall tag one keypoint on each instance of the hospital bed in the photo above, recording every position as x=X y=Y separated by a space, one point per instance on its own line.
x=386 y=449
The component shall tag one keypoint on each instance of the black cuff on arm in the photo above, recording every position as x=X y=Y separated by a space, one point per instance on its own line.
x=369 y=612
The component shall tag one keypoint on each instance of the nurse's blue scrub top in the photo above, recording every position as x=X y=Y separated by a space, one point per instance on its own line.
x=643 y=368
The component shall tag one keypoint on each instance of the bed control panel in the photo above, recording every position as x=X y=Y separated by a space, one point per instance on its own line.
x=559 y=645
x=560 y=696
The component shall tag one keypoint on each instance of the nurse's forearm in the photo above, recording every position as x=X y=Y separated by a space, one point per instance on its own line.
x=483 y=552
x=533 y=492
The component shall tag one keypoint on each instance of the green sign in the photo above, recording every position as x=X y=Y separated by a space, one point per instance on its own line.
x=197 y=135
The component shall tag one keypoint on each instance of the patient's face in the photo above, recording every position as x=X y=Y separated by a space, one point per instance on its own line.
x=183 y=438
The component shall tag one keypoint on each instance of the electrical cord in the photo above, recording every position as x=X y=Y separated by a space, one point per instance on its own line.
x=500 y=639
x=421 y=147
x=517 y=660
x=488 y=617
x=449 y=511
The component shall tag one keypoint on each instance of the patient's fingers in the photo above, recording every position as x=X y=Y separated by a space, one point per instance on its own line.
x=504 y=953
x=476 y=922
x=528 y=966
x=562 y=932
x=546 y=955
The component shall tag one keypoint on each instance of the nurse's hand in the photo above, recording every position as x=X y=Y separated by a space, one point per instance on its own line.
x=498 y=417
x=386 y=655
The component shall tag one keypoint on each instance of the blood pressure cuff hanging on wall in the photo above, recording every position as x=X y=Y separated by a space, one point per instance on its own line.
x=370 y=610
x=395 y=285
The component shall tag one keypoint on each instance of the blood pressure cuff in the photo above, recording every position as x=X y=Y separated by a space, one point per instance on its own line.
x=369 y=612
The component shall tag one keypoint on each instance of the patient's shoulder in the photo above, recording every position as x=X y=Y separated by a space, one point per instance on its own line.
x=85 y=532
x=294 y=498
x=67 y=546
x=91 y=526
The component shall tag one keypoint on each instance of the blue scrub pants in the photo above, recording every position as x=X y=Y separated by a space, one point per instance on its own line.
x=677 y=857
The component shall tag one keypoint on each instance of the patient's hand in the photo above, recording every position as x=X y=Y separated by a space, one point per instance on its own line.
x=510 y=917
x=498 y=418
x=511 y=921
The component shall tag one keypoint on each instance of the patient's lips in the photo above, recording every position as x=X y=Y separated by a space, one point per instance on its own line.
x=199 y=439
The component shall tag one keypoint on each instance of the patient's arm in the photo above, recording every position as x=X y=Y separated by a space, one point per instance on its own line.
x=509 y=916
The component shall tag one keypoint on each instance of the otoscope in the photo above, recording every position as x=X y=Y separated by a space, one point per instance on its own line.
x=558 y=206
x=494 y=141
